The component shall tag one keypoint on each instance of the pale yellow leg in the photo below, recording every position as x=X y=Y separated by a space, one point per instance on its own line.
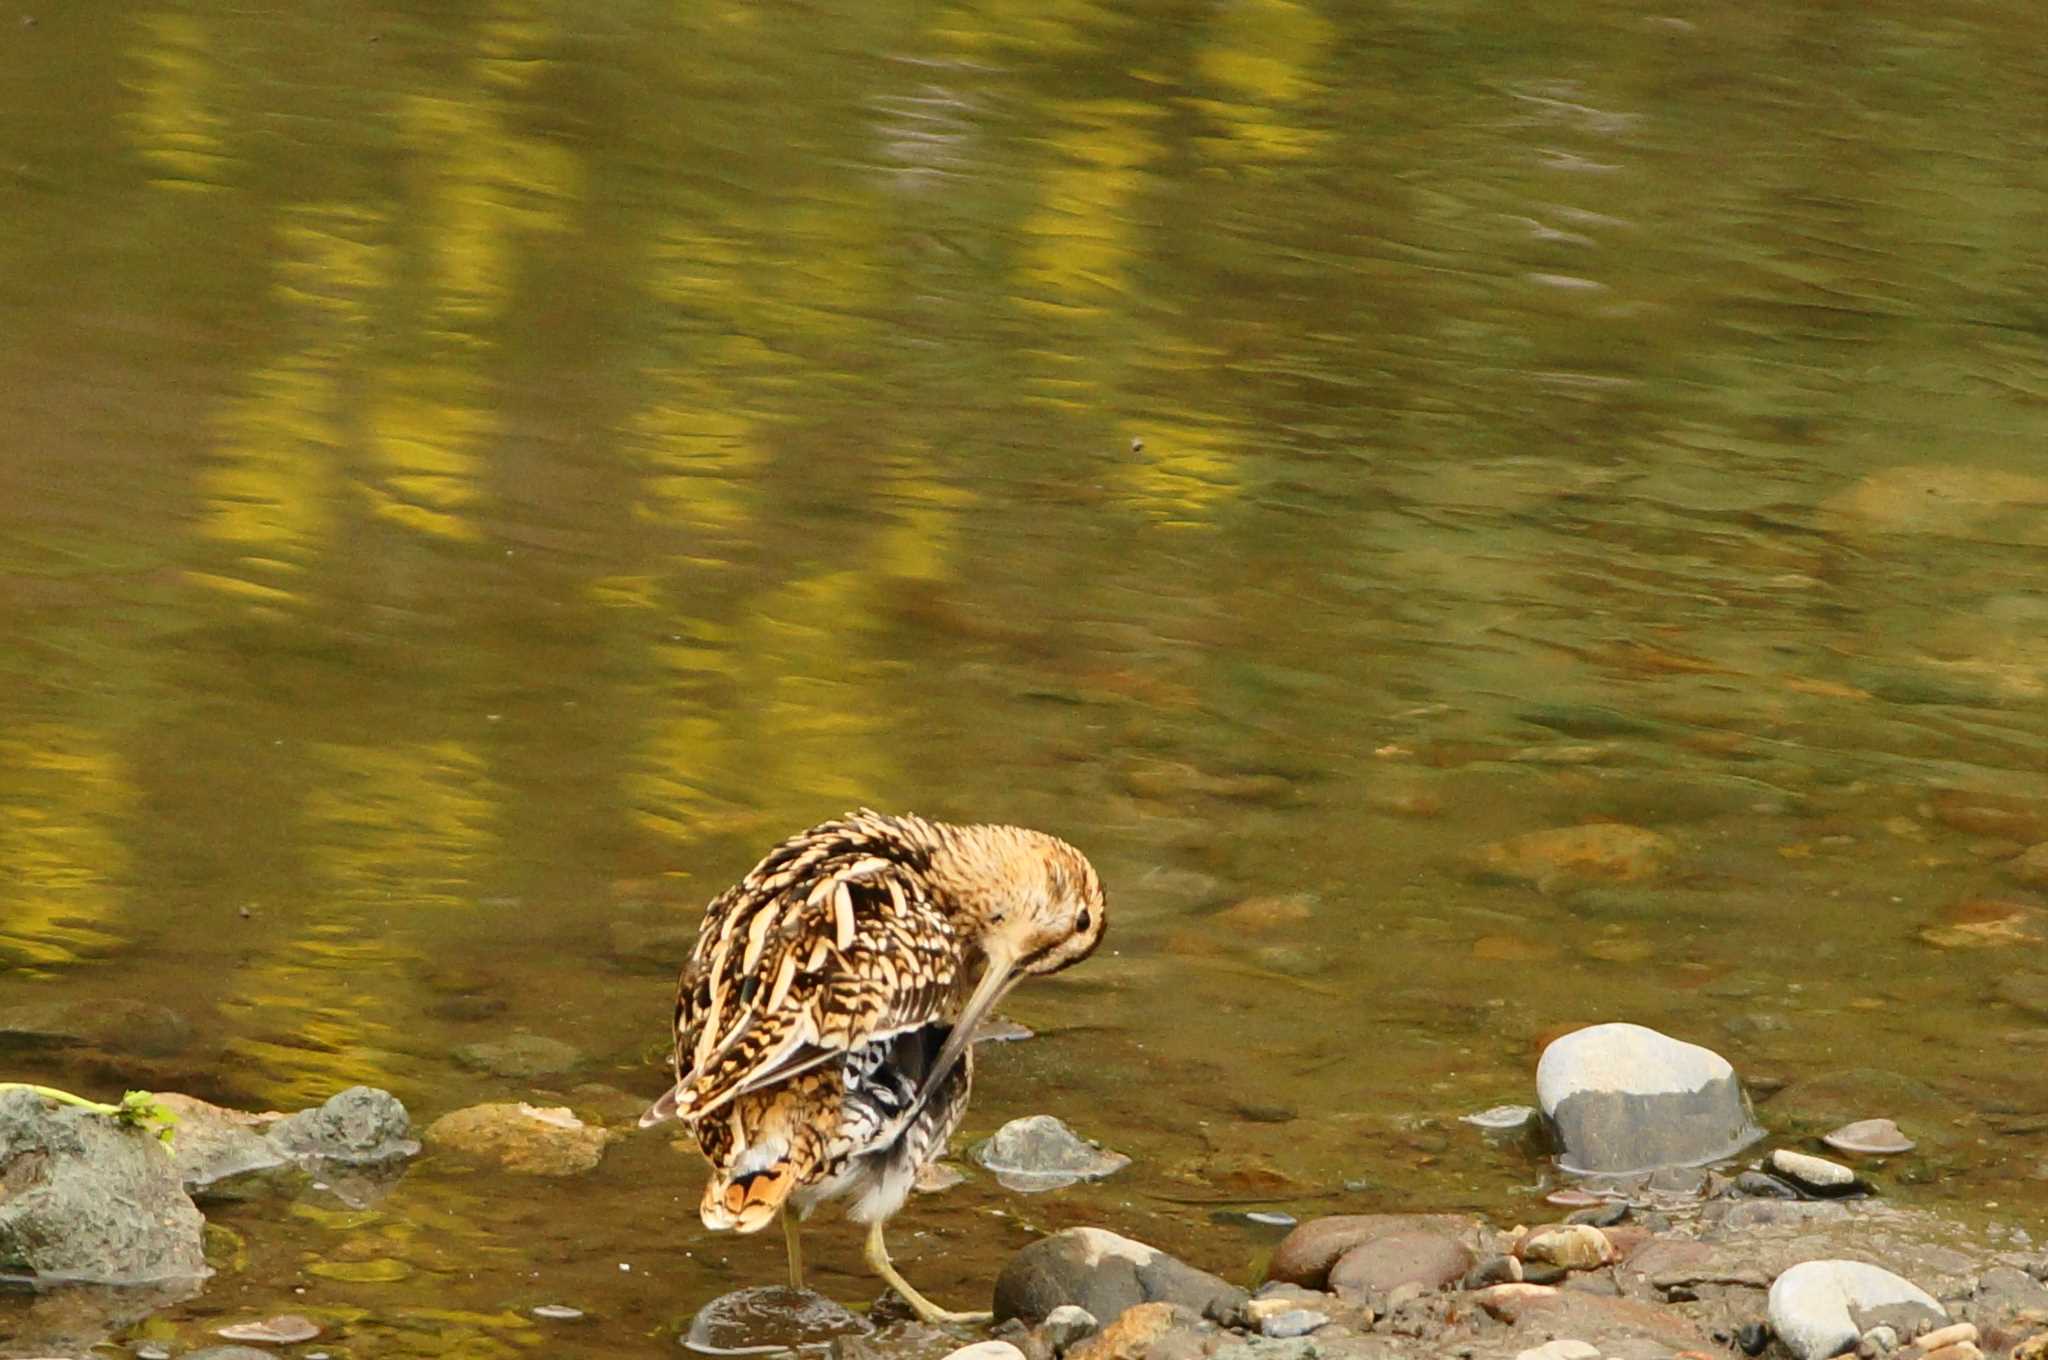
x=792 y=1236
x=878 y=1261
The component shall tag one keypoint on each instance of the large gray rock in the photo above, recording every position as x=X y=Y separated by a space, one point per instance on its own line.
x=84 y=1198
x=361 y=1126
x=1820 y=1308
x=1623 y=1099
x=1105 y=1274
x=212 y=1143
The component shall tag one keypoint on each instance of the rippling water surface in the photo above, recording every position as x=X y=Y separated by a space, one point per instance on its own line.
x=476 y=474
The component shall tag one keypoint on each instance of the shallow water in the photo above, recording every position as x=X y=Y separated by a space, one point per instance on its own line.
x=478 y=474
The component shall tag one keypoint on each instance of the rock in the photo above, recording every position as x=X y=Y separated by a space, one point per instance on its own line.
x=1815 y=1175
x=1625 y=1099
x=1041 y=1153
x=769 y=1317
x=1304 y=1256
x=1293 y=1322
x=2004 y=1291
x=1374 y=1270
x=520 y=1057
x=1812 y=1305
x=1757 y=1185
x=211 y=1143
x=1955 y=1334
x=84 y=1198
x=659 y=946
x=1067 y=1324
x=1571 y=856
x=117 y=1024
x=283 y=1330
x=523 y=1138
x=1132 y=1335
x=1491 y=1271
x=1501 y=1118
x=1613 y=1324
x=230 y=1353
x=1104 y=1274
x=361 y=1126
x=1563 y=1349
x=986 y=1350
x=1869 y=1138
x=1574 y=1246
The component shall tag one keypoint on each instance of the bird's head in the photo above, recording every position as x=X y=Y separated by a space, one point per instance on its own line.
x=1031 y=902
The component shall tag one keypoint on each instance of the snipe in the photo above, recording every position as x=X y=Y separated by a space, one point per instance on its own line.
x=825 y=1020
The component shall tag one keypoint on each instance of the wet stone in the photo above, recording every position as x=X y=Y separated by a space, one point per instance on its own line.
x=1041 y=1153
x=523 y=1138
x=285 y=1329
x=1869 y=1138
x=1305 y=1256
x=1567 y=857
x=1815 y=1175
x=769 y=1318
x=1374 y=1271
x=84 y=1198
x=212 y=1143
x=1623 y=1098
x=556 y=1312
x=1501 y=1118
x=1105 y=1274
x=361 y=1126
x=117 y=1024
x=519 y=1057
x=1293 y=1322
x=1575 y=1246
x=230 y=1353
x=1067 y=1324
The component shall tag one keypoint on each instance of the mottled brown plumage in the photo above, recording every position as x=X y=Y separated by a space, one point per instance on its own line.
x=824 y=1019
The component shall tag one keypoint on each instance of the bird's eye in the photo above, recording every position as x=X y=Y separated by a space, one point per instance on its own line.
x=1081 y=922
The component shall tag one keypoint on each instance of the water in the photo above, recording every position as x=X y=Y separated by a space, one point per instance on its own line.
x=476 y=475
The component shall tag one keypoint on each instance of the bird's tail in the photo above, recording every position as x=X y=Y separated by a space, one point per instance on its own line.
x=748 y=1201
x=760 y=1149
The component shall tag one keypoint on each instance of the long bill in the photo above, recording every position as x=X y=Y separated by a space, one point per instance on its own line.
x=997 y=977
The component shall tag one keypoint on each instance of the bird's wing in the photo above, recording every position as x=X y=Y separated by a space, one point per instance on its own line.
x=795 y=969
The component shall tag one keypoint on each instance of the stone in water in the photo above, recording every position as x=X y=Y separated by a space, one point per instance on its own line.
x=1500 y=1118
x=767 y=1319
x=283 y=1330
x=557 y=1312
x=1870 y=1138
x=1625 y=1099
x=1041 y=1153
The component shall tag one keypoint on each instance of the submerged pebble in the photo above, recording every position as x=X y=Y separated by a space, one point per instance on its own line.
x=556 y=1312
x=283 y=1330
x=769 y=1318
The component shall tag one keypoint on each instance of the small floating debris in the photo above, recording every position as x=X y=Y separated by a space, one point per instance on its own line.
x=283 y=1330
x=556 y=1312
x=1500 y=1118
x=1870 y=1138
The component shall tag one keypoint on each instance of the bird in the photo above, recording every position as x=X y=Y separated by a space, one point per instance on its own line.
x=825 y=1019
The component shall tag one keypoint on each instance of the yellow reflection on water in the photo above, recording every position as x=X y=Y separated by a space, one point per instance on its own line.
x=61 y=791
x=1080 y=241
x=270 y=492
x=390 y=835
x=172 y=129
x=1266 y=52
